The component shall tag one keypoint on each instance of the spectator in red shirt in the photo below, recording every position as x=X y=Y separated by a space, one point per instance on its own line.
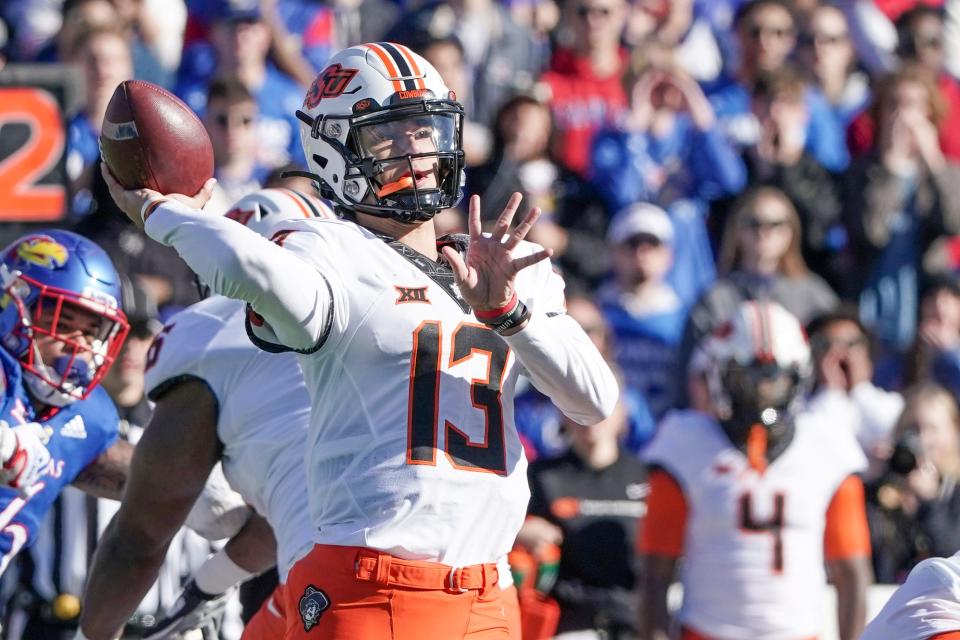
x=920 y=33
x=585 y=79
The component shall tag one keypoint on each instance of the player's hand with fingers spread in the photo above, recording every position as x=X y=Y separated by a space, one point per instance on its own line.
x=486 y=277
x=136 y=202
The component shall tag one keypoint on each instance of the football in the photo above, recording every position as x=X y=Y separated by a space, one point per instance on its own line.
x=151 y=139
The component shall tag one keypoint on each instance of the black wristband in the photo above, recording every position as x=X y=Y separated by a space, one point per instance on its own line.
x=509 y=320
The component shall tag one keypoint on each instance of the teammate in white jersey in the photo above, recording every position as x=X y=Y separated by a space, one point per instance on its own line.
x=756 y=499
x=925 y=607
x=411 y=346
x=217 y=396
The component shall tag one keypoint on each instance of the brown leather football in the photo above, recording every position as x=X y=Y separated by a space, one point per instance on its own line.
x=151 y=139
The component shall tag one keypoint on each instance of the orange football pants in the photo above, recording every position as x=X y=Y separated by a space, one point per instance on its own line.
x=511 y=608
x=345 y=593
x=270 y=620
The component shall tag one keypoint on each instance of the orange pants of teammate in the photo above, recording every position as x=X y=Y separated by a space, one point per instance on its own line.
x=345 y=593
x=270 y=620
x=511 y=609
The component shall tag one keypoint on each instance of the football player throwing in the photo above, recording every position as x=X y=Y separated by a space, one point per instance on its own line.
x=410 y=345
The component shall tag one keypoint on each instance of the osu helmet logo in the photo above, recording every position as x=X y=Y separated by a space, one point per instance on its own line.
x=332 y=83
x=43 y=251
x=312 y=605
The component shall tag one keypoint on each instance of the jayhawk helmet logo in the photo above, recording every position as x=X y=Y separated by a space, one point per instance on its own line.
x=43 y=251
x=312 y=605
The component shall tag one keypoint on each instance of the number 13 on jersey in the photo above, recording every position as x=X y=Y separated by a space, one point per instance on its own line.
x=468 y=340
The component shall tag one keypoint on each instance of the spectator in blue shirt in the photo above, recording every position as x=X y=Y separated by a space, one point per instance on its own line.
x=231 y=119
x=670 y=152
x=643 y=310
x=766 y=33
x=104 y=55
x=826 y=50
x=241 y=44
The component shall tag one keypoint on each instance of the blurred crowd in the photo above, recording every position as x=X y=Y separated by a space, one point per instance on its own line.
x=687 y=155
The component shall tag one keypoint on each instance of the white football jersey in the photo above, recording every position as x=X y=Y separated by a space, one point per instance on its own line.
x=263 y=418
x=926 y=604
x=753 y=553
x=413 y=448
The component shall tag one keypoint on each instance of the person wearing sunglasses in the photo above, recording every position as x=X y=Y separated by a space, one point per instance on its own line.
x=826 y=49
x=760 y=258
x=766 y=35
x=231 y=121
x=641 y=306
x=780 y=159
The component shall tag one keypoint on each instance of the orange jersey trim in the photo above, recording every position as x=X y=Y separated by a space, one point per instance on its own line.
x=846 y=534
x=666 y=521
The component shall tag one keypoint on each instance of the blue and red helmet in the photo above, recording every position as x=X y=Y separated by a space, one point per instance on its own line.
x=61 y=296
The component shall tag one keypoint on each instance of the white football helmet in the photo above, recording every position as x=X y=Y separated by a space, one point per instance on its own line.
x=756 y=363
x=383 y=134
x=263 y=210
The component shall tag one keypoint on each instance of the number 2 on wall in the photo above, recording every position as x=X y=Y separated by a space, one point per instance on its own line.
x=20 y=197
x=468 y=340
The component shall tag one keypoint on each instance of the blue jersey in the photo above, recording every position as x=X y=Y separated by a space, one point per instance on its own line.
x=77 y=435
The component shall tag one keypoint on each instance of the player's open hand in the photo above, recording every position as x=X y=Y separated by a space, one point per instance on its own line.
x=486 y=276
x=133 y=202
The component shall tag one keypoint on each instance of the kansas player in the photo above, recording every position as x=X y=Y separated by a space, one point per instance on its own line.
x=411 y=346
x=61 y=327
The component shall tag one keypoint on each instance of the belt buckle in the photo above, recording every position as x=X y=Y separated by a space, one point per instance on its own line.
x=454 y=579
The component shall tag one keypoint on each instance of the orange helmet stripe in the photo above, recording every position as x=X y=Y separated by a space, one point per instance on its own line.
x=388 y=63
x=411 y=61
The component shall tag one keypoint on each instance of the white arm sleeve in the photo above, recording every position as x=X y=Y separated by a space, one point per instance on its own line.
x=288 y=292
x=563 y=364
x=558 y=356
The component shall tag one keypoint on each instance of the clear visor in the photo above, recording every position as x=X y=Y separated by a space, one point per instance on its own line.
x=414 y=154
x=425 y=133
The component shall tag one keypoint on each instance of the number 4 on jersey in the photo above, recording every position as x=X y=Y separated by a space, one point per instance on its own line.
x=468 y=340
